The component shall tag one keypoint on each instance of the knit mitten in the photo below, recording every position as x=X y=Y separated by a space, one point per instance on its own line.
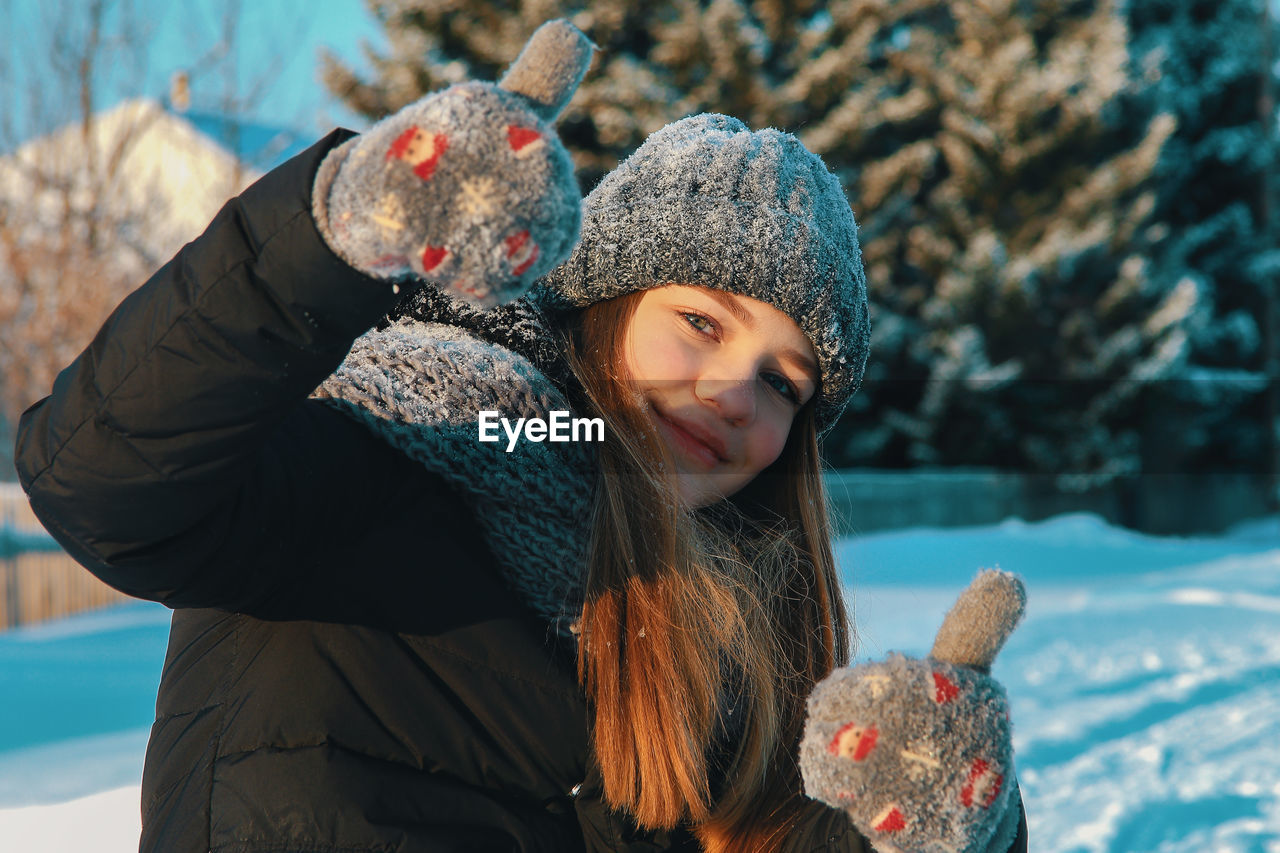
x=918 y=752
x=468 y=188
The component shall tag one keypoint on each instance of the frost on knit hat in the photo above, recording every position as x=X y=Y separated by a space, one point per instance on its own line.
x=704 y=201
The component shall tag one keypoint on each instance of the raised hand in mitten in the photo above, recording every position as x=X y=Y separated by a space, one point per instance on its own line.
x=470 y=187
x=918 y=752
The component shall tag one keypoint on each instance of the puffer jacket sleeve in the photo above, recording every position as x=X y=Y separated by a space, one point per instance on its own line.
x=173 y=449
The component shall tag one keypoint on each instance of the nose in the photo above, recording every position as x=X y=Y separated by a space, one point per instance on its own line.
x=733 y=399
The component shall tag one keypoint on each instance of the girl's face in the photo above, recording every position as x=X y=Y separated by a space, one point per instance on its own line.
x=721 y=376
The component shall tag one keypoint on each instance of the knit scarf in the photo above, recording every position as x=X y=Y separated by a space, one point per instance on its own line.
x=420 y=380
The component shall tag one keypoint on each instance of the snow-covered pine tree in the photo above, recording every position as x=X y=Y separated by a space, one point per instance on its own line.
x=434 y=43
x=1005 y=195
x=1203 y=61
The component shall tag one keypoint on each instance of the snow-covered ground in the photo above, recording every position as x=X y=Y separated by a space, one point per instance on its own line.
x=1145 y=683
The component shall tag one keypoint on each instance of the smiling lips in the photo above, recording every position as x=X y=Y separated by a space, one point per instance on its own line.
x=695 y=441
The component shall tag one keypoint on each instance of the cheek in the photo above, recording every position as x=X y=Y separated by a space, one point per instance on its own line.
x=653 y=359
x=767 y=441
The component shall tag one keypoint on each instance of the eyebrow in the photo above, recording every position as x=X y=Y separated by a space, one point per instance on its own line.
x=734 y=307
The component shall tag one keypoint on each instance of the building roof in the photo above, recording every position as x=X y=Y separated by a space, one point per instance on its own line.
x=160 y=174
x=261 y=146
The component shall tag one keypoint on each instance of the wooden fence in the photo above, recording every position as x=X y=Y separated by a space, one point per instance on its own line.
x=15 y=512
x=863 y=501
x=42 y=583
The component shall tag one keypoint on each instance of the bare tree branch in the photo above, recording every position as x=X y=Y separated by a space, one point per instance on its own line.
x=80 y=224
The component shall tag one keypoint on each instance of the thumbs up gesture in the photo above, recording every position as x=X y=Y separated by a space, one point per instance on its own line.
x=918 y=752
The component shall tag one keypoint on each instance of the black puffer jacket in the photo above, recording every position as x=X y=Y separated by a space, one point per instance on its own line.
x=346 y=672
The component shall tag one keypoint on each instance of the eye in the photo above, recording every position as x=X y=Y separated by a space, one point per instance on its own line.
x=701 y=323
x=780 y=384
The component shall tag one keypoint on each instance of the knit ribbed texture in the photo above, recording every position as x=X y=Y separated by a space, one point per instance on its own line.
x=706 y=202
x=422 y=386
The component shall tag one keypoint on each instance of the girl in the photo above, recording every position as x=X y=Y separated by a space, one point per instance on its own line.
x=391 y=635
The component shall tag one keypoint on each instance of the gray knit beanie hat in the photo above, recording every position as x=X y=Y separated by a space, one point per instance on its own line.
x=704 y=201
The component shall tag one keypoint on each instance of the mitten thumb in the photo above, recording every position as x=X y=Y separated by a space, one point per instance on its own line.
x=976 y=627
x=919 y=752
x=550 y=67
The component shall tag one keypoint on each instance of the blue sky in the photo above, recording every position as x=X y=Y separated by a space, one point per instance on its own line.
x=278 y=49
x=287 y=32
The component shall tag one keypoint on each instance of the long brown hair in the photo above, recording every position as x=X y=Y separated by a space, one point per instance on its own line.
x=703 y=632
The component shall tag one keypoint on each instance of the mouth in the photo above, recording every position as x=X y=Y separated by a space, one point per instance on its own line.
x=696 y=442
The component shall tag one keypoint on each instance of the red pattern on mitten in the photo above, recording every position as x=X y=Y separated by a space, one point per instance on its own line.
x=421 y=149
x=889 y=820
x=433 y=256
x=983 y=785
x=468 y=189
x=523 y=140
x=944 y=689
x=853 y=741
x=932 y=776
x=522 y=252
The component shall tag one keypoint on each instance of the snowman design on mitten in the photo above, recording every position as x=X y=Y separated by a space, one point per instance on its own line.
x=468 y=188
x=918 y=752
